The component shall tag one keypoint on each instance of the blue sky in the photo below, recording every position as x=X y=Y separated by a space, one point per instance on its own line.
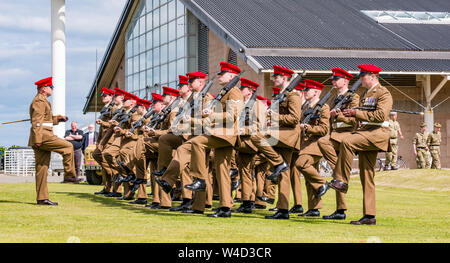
x=25 y=56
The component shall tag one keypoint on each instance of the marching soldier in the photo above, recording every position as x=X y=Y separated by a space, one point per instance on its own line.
x=287 y=136
x=222 y=137
x=421 y=148
x=310 y=154
x=395 y=132
x=43 y=141
x=434 y=144
x=341 y=127
x=108 y=97
x=371 y=136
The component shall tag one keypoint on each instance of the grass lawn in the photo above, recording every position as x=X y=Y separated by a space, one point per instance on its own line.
x=412 y=206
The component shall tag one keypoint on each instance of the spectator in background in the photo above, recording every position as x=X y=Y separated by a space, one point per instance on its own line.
x=75 y=136
x=89 y=138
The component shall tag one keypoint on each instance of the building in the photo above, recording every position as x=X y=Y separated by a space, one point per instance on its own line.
x=157 y=40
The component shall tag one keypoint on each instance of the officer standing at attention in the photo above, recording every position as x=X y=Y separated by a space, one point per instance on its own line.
x=434 y=144
x=44 y=141
x=391 y=154
x=420 y=147
x=371 y=136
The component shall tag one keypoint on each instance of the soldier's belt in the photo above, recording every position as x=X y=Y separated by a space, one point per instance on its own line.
x=420 y=147
x=435 y=145
x=338 y=125
x=45 y=124
x=382 y=124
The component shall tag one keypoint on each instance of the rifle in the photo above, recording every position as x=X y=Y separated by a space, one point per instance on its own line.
x=296 y=79
x=342 y=101
x=140 y=122
x=127 y=116
x=393 y=110
x=245 y=114
x=312 y=113
x=224 y=91
x=106 y=110
x=10 y=122
x=190 y=103
x=159 y=118
x=117 y=114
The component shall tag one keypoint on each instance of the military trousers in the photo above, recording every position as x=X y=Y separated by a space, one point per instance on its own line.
x=422 y=158
x=106 y=170
x=392 y=155
x=295 y=176
x=264 y=187
x=435 y=152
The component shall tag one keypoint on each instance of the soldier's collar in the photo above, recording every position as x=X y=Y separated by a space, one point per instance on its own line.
x=373 y=88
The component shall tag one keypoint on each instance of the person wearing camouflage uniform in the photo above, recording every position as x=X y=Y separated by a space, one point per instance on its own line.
x=434 y=144
x=420 y=147
x=395 y=133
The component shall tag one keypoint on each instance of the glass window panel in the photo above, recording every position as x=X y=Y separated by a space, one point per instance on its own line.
x=156 y=18
x=163 y=14
x=142 y=25
x=149 y=59
x=129 y=82
x=141 y=43
x=149 y=40
x=149 y=21
x=150 y=77
x=163 y=1
x=155 y=3
x=129 y=49
x=156 y=37
x=172 y=51
x=163 y=54
x=156 y=57
x=173 y=85
x=172 y=30
x=180 y=8
x=192 y=52
x=172 y=11
x=149 y=4
x=181 y=48
x=164 y=74
x=136 y=29
x=181 y=66
x=156 y=75
x=136 y=64
x=135 y=82
x=173 y=71
x=129 y=66
x=142 y=81
x=142 y=61
x=180 y=27
x=164 y=34
x=135 y=46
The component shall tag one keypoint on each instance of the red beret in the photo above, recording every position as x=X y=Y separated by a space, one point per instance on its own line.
x=365 y=69
x=277 y=70
x=44 y=82
x=300 y=86
x=144 y=103
x=313 y=84
x=194 y=75
x=249 y=84
x=276 y=90
x=227 y=67
x=341 y=73
x=107 y=92
x=183 y=80
x=170 y=91
x=129 y=96
x=156 y=97
x=119 y=92
x=268 y=102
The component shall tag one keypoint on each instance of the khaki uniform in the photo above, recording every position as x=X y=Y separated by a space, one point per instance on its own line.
x=97 y=153
x=264 y=187
x=310 y=155
x=420 y=140
x=41 y=132
x=434 y=144
x=221 y=129
x=341 y=127
x=287 y=136
x=392 y=153
x=371 y=136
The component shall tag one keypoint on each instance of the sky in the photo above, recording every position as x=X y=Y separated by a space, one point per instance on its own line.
x=25 y=57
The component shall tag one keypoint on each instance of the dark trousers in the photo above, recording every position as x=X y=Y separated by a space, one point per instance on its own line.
x=78 y=155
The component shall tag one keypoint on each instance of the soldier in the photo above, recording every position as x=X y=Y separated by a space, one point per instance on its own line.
x=107 y=98
x=220 y=135
x=395 y=132
x=287 y=135
x=420 y=147
x=43 y=141
x=310 y=154
x=434 y=144
x=371 y=136
x=341 y=127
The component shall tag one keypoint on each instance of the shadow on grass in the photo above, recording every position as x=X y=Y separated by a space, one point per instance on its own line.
x=16 y=202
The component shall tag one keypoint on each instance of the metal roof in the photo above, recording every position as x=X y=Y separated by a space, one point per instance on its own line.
x=351 y=64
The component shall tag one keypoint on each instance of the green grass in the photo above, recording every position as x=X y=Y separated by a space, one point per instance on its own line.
x=405 y=213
